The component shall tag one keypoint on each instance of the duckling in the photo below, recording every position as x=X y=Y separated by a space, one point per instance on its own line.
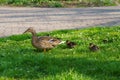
x=93 y=47
x=107 y=40
x=70 y=44
x=43 y=42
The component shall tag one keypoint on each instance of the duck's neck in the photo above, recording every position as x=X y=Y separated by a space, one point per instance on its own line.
x=34 y=36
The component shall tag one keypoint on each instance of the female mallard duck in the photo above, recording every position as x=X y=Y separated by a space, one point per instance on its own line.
x=43 y=42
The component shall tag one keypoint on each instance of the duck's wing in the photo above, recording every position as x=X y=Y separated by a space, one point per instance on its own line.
x=46 y=44
x=50 y=40
x=44 y=38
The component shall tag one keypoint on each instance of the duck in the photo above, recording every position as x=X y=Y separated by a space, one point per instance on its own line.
x=93 y=47
x=43 y=42
x=70 y=44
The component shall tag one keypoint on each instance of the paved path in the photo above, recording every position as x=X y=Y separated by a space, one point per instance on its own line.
x=17 y=20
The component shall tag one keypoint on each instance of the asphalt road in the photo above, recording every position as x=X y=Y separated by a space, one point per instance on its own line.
x=14 y=20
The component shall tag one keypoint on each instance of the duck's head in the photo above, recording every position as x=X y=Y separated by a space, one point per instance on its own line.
x=91 y=44
x=29 y=30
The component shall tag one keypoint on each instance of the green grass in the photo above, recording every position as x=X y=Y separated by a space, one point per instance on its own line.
x=18 y=60
x=59 y=3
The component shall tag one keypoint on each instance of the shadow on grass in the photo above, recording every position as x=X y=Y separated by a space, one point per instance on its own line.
x=40 y=66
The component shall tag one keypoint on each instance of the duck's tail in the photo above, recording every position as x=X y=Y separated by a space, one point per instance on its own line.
x=62 y=42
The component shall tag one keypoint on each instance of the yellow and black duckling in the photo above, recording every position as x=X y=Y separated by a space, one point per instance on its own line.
x=70 y=44
x=107 y=40
x=93 y=47
x=43 y=42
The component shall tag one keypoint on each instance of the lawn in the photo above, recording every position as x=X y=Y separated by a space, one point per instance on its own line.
x=19 y=60
x=59 y=3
